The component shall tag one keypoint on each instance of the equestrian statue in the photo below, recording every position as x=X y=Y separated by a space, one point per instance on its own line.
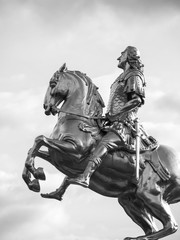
x=112 y=155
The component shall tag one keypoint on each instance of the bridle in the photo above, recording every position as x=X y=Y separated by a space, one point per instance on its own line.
x=75 y=114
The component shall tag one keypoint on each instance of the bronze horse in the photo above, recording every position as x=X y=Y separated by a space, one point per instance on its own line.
x=74 y=136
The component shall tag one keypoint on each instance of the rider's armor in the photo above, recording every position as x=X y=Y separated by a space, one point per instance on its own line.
x=131 y=81
x=128 y=82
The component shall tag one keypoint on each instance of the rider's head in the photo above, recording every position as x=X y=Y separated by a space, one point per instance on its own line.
x=130 y=55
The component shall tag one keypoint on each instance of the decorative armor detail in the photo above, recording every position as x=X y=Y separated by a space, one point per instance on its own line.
x=131 y=81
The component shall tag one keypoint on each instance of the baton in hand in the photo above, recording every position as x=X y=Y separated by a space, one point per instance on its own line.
x=137 y=147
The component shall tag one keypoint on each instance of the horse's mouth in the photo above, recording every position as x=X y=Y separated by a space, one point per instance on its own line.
x=51 y=110
x=48 y=110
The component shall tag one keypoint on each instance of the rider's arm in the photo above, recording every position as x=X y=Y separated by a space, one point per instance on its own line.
x=134 y=101
x=135 y=93
x=134 y=89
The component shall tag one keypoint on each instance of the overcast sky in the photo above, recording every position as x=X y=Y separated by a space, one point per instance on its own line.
x=37 y=37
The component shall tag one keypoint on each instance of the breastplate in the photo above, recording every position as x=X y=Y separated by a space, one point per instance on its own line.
x=117 y=97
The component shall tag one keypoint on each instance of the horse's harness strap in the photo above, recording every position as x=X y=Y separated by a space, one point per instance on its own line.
x=79 y=115
x=155 y=162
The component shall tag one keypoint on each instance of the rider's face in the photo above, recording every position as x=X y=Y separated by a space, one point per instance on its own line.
x=122 y=60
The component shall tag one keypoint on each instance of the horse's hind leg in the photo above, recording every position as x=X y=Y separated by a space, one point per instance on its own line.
x=136 y=210
x=59 y=192
x=150 y=192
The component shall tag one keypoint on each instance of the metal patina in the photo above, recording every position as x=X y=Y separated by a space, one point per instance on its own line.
x=112 y=154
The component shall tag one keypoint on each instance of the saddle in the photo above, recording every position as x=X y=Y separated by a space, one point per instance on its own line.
x=148 y=146
x=127 y=133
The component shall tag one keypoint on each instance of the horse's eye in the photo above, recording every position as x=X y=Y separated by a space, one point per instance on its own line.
x=53 y=83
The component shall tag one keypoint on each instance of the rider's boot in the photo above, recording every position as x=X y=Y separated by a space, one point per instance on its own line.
x=83 y=179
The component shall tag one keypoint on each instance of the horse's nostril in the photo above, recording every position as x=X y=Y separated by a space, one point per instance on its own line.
x=47 y=109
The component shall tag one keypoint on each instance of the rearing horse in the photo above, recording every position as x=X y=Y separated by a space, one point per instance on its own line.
x=74 y=138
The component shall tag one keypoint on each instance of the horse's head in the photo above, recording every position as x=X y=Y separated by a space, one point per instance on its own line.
x=56 y=92
x=77 y=92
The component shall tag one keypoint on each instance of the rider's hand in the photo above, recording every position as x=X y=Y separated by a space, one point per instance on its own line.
x=111 y=118
x=107 y=116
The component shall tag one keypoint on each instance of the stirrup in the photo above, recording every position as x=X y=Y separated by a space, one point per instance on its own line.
x=79 y=181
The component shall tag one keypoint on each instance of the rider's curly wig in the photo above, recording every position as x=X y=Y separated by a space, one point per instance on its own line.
x=133 y=58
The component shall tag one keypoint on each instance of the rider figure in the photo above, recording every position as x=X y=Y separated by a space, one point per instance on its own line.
x=126 y=96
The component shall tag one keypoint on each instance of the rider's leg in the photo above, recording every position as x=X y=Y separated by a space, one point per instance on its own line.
x=58 y=194
x=109 y=142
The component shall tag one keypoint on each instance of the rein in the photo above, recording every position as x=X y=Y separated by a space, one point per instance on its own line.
x=75 y=114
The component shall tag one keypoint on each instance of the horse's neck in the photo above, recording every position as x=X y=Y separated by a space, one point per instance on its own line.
x=75 y=102
x=82 y=100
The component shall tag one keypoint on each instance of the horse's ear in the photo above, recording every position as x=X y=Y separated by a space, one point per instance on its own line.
x=63 y=68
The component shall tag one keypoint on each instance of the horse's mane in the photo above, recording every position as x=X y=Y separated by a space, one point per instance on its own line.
x=94 y=100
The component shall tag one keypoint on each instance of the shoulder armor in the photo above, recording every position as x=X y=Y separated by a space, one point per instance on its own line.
x=135 y=82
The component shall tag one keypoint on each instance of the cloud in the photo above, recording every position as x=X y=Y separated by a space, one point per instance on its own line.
x=45 y=33
x=89 y=35
x=55 y=11
x=169 y=103
x=22 y=109
x=23 y=215
x=144 y=7
x=17 y=108
x=34 y=221
x=55 y=15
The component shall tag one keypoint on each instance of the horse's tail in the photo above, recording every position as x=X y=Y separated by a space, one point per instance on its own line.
x=171 y=160
x=172 y=193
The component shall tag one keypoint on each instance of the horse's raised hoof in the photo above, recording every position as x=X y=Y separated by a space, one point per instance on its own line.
x=39 y=174
x=53 y=195
x=34 y=186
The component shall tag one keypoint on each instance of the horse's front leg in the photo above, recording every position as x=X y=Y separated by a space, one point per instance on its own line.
x=29 y=165
x=32 y=185
x=39 y=173
x=33 y=152
x=59 y=192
